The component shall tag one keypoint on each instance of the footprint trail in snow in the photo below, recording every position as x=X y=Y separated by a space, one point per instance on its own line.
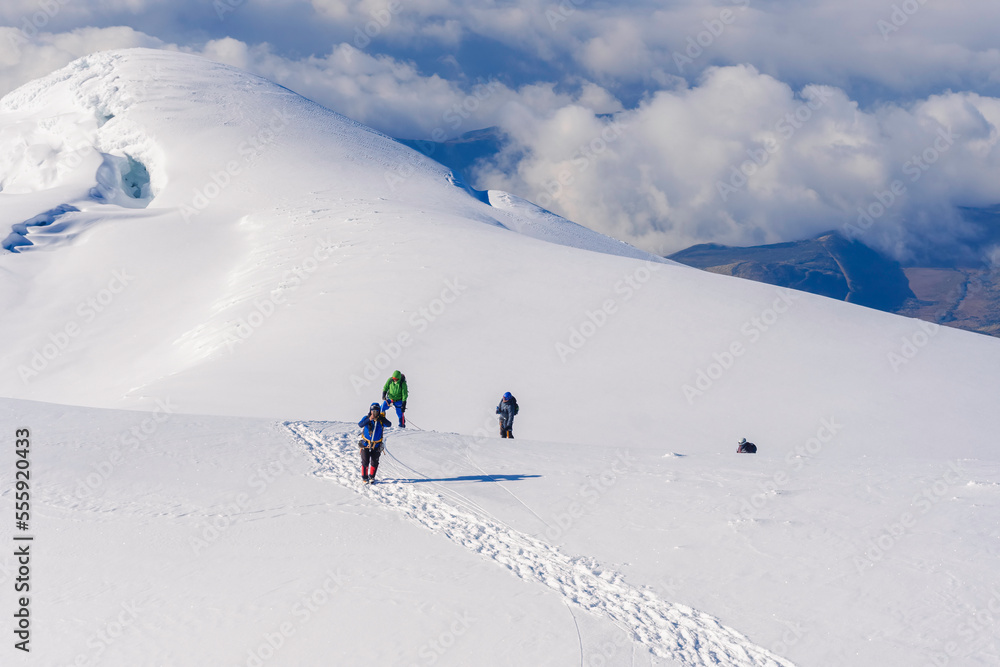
x=670 y=630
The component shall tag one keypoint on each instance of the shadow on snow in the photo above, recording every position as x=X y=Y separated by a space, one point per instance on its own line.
x=470 y=478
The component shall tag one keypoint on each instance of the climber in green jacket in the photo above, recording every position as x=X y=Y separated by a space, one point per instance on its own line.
x=394 y=393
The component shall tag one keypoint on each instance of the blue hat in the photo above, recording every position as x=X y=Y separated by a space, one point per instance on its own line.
x=376 y=406
x=507 y=396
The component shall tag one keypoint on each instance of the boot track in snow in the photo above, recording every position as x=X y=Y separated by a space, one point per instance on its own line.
x=670 y=630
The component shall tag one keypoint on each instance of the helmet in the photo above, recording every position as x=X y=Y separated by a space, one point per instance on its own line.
x=375 y=407
x=743 y=441
x=507 y=396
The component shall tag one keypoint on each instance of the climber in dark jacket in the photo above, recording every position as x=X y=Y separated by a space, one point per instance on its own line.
x=507 y=409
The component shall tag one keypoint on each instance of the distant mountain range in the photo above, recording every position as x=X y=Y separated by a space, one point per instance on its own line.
x=829 y=265
x=834 y=266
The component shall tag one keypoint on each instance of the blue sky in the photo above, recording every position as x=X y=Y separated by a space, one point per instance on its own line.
x=663 y=124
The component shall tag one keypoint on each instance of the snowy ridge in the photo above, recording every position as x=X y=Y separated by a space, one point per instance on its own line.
x=521 y=216
x=669 y=630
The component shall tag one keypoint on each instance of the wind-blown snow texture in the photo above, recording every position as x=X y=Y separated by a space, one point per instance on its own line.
x=181 y=233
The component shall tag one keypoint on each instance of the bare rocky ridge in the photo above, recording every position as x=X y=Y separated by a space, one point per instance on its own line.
x=847 y=270
x=965 y=298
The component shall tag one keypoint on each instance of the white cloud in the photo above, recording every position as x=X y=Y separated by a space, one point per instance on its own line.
x=393 y=96
x=742 y=159
x=927 y=46
x=839 y=42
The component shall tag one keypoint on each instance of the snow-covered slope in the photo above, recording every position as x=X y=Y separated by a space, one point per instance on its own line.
x=185 y=234
x=522 y=216
x=287 y=250
x=169 y=539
